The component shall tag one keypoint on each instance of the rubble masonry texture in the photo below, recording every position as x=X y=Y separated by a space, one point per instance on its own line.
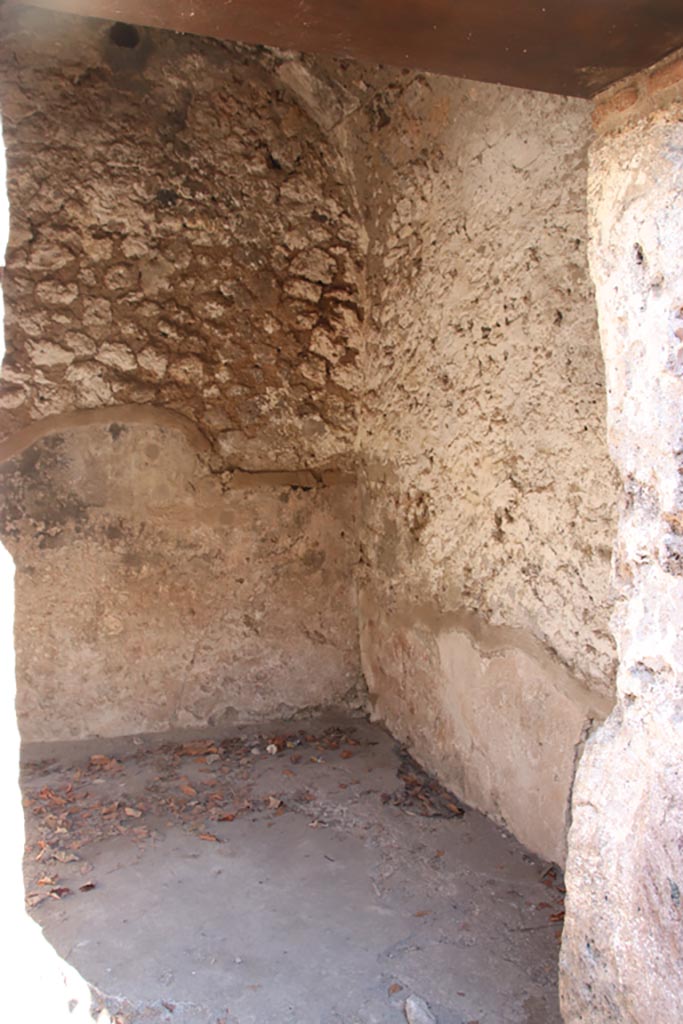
x=487 y=494
x=318 y=267
x=184 y=252
x=183 y=234
x=622 y=950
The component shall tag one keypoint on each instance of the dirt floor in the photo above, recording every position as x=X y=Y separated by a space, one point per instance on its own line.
x=299 y=873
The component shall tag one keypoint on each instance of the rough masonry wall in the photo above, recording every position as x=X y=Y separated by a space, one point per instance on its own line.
x=56 y=991
x=152 y=595
x=187 y=237
x=184 y=239
x=183 y=234
x=487 y=496
x=622 y=953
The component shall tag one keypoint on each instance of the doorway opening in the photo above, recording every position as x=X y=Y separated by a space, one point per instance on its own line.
x=303 y=441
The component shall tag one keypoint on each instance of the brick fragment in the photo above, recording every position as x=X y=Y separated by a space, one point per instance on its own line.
x=614 y=104
x=666 y=76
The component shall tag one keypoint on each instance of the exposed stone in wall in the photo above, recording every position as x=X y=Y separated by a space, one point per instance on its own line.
x=37 y=984
x=622 y=957
x=486 y=489
x=185 y=242
x=196 y=227
x=152 y=595
x=183 y=233
x=642 y=95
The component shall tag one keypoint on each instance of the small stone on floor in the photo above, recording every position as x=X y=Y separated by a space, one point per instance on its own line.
x=417 y=1011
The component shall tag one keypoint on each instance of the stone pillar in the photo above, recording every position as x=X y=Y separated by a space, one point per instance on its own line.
x=622 y=954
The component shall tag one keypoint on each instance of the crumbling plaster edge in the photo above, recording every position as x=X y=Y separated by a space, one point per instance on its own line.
x=241 y=478
x=496 y=641
x=138 y=415
x=489 y=643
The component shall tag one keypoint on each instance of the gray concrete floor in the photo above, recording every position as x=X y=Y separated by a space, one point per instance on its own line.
x=332 y=881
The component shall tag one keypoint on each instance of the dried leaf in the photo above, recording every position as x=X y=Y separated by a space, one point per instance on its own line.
x=226 y=817
x=101 y=760
x=274 y=802
x=132 y=812
x=60 y=891
x=422 y=913
x=34 y=899
x=189 y=790
x=48 y=794
x=279 y=742
x=198 y=748
x=559 y=916
x=86 y=887
x=346 y=754
x=393 y=989
x=208 y=837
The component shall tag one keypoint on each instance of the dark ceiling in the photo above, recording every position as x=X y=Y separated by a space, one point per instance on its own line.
x=573 y=47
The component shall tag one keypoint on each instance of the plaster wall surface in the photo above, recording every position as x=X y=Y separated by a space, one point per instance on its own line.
x=487 y=495
x=166 y=597
x=622 y=950
x=323 y=270
x=38 y=985
x=183 y=284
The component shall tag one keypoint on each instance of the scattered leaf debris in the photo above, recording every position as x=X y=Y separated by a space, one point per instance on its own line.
x=421 y=793
x=197 y=785
x=204 y=786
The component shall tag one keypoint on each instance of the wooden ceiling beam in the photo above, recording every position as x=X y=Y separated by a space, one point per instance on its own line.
x=571 y=47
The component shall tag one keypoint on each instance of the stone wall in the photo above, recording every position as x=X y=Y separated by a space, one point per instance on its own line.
x=185 y=264
x=168 y=597
x=183 y=234
x=55 y=991
x=622 y=954
x=321 y=271
x=487 y=496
